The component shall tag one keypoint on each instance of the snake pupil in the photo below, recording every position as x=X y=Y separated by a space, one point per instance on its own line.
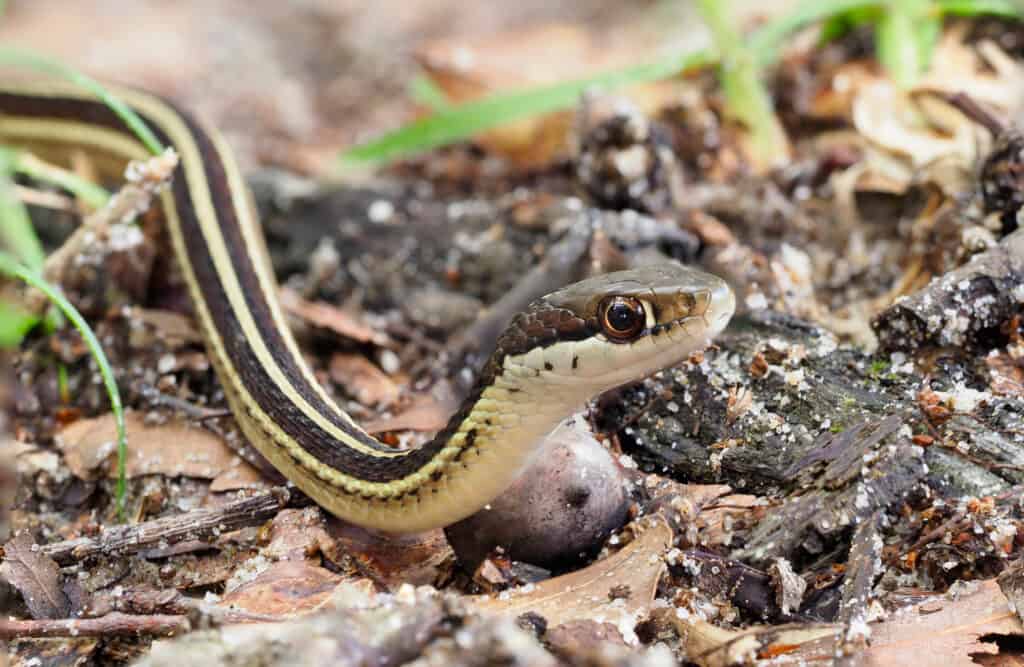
x=623 y=318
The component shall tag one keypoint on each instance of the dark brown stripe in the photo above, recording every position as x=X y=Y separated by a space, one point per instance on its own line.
x=254 y=378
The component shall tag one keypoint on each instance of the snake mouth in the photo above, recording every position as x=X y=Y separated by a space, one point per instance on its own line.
x=721 y=308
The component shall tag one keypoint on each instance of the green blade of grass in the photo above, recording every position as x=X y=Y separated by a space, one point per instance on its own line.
x=93 y=195
x=1004 y=8
x=766 y=42
x=10 y=266
x=747 y=99
x=20 y=58
x=464 y=120
x=423 y=91
x=14 y=324
x=904 y=35
x=16 y=232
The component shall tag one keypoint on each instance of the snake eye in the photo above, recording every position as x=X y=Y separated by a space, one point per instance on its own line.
x=622 y=318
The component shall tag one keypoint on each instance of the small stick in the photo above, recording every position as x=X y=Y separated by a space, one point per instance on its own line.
x=114 y=623
x=199 y=524
x=978 y=113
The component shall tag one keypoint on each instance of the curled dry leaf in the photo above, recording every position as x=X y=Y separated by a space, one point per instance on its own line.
x=590 y=593
x=914 y=135
x=36 y=576
x=175 y=448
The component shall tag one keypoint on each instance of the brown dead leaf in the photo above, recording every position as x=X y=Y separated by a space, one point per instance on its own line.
x=390 y=559
x=326 y=316
x=175 y=329
x=361 y=378
x=175 y=448
x=36 y=576
x=297 y=534
x=951 y=636
x=238 y=477
x=425 y=414
x=286 y=588
x=588 y=593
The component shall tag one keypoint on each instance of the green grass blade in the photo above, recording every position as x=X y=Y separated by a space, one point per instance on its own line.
x=465 y=120
x=747 y=98
x=131 y=119
x=767 y=42
x=423 y=91
x=904 y=36
x=90 y=193
x=14 y=324
x=1003 y=8
x=12 y=267
x=16 y=232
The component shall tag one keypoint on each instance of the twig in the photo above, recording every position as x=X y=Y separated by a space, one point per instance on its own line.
x=169 y=602
x=200 y=524
x=115 y=623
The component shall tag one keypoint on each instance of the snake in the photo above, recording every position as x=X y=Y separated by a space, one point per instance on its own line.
x=558 y=353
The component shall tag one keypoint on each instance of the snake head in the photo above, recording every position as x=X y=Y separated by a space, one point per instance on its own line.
x=618 y=327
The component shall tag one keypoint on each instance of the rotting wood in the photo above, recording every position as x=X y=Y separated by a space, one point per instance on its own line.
x=199 y=524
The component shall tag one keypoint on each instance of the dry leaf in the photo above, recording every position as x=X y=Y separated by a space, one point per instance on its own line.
x=36 y=576
x=425 y=414
x=175 y=329
x=951 y=636
x=588 y=594
x=392 y=560
x=238 y=477
x=326 y=316
x=362 y=379
x=175 y=448
x=297 y=534
x=285 y=588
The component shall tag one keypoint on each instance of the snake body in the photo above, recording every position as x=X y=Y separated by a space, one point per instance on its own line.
x=555 y=356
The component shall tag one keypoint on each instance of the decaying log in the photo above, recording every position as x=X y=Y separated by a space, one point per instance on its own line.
x=965 y=307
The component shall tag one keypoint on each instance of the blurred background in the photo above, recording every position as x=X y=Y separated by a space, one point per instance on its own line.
x=291 y=83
